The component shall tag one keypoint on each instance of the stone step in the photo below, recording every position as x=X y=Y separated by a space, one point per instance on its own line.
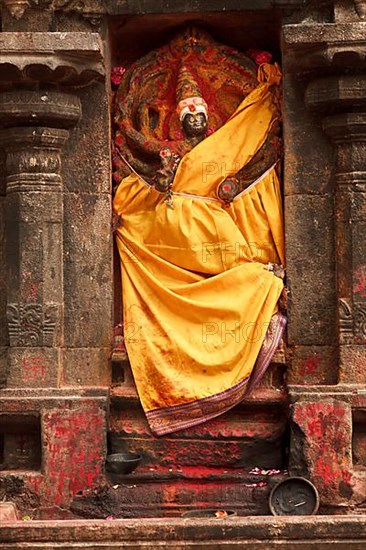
x=231 y=533
x=252 y=434
x=170 y=492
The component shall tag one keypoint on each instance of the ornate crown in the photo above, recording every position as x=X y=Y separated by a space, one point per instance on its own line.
x=188 y=94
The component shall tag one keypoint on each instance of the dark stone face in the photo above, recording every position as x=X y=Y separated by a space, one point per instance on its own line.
x=194 y=124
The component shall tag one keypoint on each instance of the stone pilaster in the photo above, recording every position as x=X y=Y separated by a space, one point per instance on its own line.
x=345 y=97
x=54 y=116
x=327 y=62
x=34 y=226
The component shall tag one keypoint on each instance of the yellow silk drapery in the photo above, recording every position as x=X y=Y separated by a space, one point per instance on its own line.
x=197 y=294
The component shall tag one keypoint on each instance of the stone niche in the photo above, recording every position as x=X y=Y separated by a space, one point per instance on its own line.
x=210 y=463
x=20 y=442
x=55 y=408
x=132 y=36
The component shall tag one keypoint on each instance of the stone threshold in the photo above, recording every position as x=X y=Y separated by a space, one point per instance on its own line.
x=351 y=393
x=260 y=532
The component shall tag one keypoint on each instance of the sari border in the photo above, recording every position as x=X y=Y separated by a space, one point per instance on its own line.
x=167 y=420
x=178 y=417
x=270 y=345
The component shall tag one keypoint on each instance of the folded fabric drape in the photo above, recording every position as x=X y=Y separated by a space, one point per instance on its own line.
x=198 y=298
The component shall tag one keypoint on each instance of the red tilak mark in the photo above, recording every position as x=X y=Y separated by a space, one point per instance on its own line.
x=360 y=281
x=309 y=366
x=33 y=368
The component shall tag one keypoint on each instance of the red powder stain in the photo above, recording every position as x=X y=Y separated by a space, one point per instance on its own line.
x=33 y=292
x=74 y=451
x=309 y=366
x=315 y=427
x=360 y=281
x=326 y=427
x=33 y=368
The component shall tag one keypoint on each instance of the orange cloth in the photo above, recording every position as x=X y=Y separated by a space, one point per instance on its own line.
x=197 y=295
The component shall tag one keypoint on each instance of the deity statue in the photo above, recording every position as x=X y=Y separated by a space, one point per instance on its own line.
x=196 y=159
x=151 y=107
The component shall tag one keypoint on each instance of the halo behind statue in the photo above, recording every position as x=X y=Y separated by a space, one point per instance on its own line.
x=145 y=108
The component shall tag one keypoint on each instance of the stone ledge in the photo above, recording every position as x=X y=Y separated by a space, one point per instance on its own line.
x=28 y=400
x=254 y=533
x=314 y=47
x=67 y=58
x=258 y=397
x=350 y=393
x=324 y=33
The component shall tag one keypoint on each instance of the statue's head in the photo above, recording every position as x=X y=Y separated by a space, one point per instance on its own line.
x=192 y=108
x=194 y=124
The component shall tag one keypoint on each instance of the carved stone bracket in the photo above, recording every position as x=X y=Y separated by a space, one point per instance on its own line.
x=33 y=324
x=331 y=46
x=346 y=330
x=69 y=59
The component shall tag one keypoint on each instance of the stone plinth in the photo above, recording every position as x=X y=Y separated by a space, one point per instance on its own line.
x=66 y=467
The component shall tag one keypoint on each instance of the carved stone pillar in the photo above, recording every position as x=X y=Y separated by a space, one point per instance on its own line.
x=347 y=131
x=34 y=219
x=58 y=250
x=327 y=420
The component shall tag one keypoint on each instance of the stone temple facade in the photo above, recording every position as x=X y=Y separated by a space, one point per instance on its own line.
x=65 y=386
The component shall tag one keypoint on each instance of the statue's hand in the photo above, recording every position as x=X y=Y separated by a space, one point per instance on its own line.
x=277 y=269
x=164 y=176
x=116 y=221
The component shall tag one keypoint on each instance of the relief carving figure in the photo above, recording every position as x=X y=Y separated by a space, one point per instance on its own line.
x=196 y=160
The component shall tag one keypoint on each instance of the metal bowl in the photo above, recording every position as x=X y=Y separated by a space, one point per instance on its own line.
x=294 y=496
x=122 y=463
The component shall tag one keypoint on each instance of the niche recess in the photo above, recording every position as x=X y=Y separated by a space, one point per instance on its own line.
x=20 y=442
x=133 y=36
x=359 y=438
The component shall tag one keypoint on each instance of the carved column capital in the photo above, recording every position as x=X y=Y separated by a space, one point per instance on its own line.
x=33 y=161
x=39 y=108
x=66 y=59
x=36 y=131
x=332 y=47
x=336 y=93
x=345 y=127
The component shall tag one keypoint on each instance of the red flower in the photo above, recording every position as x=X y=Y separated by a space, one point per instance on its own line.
x=118 y=140
x=259 y=56
x=116 y=75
